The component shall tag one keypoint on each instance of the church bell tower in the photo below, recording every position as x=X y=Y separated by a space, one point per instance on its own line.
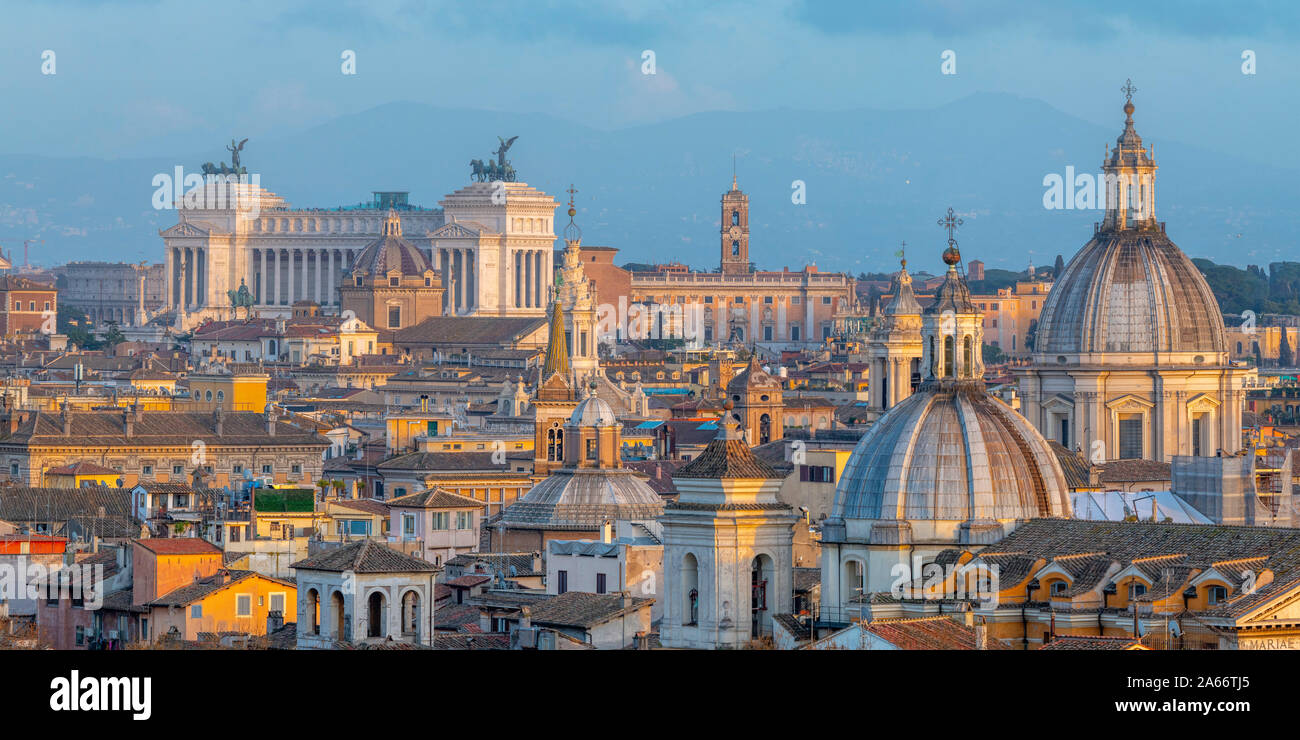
x=735 y=230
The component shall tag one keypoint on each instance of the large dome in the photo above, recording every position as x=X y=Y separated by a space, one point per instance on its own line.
x=951 y=452
x=1130 y=291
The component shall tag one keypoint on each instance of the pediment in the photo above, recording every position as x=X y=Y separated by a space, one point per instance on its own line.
x=1285 y=607
x=1129 y=402
x=1060 y=402
x=454 y=230
x=186 y=228
x=1203 y=402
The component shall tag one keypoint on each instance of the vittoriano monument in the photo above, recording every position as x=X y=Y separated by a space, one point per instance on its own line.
x=498 y=170
x=235 y=169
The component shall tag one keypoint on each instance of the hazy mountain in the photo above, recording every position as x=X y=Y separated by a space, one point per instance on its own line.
x=872 y=178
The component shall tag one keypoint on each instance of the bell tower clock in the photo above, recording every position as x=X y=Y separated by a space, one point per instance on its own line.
x=735 y=230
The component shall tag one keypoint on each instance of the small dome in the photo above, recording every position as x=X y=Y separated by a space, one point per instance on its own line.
x=1130 y=291
x=753 y=377
x=952 y=452
x=583 y=499
x=391 y=252
x=593 y=412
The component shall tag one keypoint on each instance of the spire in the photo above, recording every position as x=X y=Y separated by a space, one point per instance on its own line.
x=572 y=232
x=557 y=348
x=1129 y=175
x=392 y=224
x=904 y=302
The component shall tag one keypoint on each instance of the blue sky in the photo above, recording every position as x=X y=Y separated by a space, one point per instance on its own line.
x=135 y=77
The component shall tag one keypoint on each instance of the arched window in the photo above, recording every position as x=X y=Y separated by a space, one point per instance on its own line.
x=207 y=396
x=410 y=613
x=375 y=615
x=690 y=588
x=764 y=429
x=968 y=357
x=855 y=579
x=932 y=359
x=948 y=352
x=341 y=631
x=735 y=218
x=313 y=608
x=735 y=248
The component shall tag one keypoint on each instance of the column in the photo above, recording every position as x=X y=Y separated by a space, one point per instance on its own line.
x=264 y=285
x=320 y=278
x=190 y=286
x=329 y=297
x=289 y=266
x=518 y=264
x=276 y=252
x=171 y=277
x=528 y=280
x=809 y=334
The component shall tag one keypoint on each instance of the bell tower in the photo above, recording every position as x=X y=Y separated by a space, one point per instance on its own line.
x=735 y=230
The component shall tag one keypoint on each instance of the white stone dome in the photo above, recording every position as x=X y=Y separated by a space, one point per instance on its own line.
x=952 y=452
x=593 y=412
x=1130 y=291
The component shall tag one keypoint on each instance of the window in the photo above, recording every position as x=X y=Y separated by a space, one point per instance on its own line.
x=408 y=525
x=1217 y=594
x=277 y=602
x=600 y=583
x=440 y=520
x=196 y=611
x=146 y=470
x=394 y=282
x=47 y=305
x=735 y=218
x=81 y=635
x=13 y=469
x=1058 y=588
x=767 y=299
x=178 y=470
x=1135 y=590
x=735 y=248
x=243 y=605
x=266 y=469
x=562 y=582
x=207 y=396
x=394 y=317
x=591 y=449
x=357 y=527
x=794 y=332
x=1130 y=436
x=221 y=395
x=295 y=469
x=464 y=520
x=237 y=469
x=144 y=629
x=359 y=282
x=428 y=282
x=31 y=305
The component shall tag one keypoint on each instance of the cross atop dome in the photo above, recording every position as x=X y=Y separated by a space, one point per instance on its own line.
x=950 y=222
x=572 y=232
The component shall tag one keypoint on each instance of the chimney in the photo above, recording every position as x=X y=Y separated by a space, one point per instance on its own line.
x=270 y=422
x=537 y=562
x=525 y=618
x=219 y=418
x=274 y=621
x=607 y=532
x=981 y=636
x=138 y=411
x=67 y=421
x=128 y=423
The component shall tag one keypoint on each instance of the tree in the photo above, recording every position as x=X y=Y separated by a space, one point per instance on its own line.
x=1059 y=267
x=322 y=484
x=1284 y=356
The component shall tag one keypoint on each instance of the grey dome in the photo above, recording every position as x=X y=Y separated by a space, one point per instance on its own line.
x=1130 y=291
x=951 y=452
x=391 y=252
x=583 y=499
x=593 y=412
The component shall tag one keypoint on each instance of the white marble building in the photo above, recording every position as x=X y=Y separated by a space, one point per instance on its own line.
x=492 y=243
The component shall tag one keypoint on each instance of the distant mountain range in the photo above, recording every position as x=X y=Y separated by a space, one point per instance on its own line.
x=872 y=178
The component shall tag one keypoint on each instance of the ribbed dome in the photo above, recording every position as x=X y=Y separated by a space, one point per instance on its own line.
x=951 y=452
x=391 y=252
x=593 y=412
x=583 y=499
x=1130 y=291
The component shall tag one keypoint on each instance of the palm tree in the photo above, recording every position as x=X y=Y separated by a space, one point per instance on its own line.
x=322 y=484
x=337 y=485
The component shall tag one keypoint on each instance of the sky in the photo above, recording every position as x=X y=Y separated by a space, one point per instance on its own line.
x=133 y=75
x=133 y=78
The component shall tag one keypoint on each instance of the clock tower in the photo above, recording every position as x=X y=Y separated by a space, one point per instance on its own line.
x=735 y=230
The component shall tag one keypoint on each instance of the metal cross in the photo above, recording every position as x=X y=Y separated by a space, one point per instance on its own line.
x=950 y=222
x=1128 y=89
x=571 y=191
x=902 y=252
